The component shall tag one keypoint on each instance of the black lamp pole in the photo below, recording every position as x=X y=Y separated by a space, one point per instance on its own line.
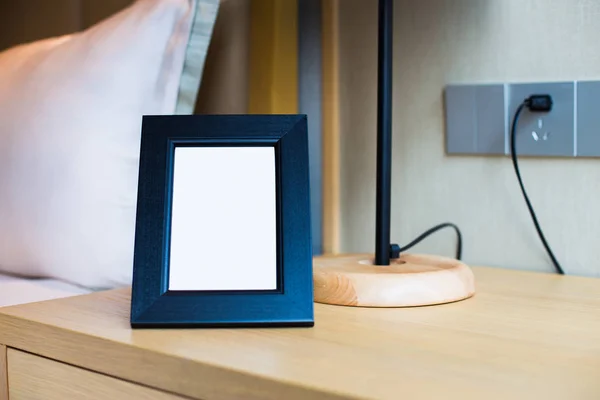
x=384 y=133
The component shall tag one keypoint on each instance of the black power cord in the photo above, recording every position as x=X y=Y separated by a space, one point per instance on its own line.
x=535 y=103
x=396 y=249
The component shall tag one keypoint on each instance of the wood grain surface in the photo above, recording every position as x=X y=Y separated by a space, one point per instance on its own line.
x=411 y=280
x=3 y=374
x=523 y=335
x=36 y=378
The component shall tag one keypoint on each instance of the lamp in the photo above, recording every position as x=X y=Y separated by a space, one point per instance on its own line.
x=386 y=280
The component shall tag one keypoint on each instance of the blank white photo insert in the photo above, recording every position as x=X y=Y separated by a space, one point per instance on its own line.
x=223 y=219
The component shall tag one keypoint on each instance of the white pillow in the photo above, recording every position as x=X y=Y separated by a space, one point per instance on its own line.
x=70 y=119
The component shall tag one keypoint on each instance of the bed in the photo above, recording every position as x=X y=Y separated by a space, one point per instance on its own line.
x=15 y=290
x=39 y=20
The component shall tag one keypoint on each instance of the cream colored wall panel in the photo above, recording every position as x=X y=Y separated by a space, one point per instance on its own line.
x=438 y=42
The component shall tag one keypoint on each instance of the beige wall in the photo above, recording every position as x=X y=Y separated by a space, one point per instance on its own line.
x=442 y=41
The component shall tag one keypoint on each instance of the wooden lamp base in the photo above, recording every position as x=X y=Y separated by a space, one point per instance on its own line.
x=411 y=280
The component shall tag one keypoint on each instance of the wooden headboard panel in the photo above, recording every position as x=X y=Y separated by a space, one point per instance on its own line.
x=26 y=21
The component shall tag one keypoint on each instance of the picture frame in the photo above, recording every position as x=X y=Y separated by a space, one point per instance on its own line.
x=223 y=229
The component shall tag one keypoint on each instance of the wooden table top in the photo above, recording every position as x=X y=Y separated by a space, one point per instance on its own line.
x=524 y=335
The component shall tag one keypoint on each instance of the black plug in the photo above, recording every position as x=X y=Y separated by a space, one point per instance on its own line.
x=539 y=103
x=394 y=251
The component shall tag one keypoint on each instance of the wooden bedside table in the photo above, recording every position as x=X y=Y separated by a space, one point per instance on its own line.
x=523 y=335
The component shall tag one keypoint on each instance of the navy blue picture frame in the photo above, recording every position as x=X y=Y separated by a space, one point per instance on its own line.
x=291 y=304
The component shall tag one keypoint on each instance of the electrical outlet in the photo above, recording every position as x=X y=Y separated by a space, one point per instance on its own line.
x=544 y=134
